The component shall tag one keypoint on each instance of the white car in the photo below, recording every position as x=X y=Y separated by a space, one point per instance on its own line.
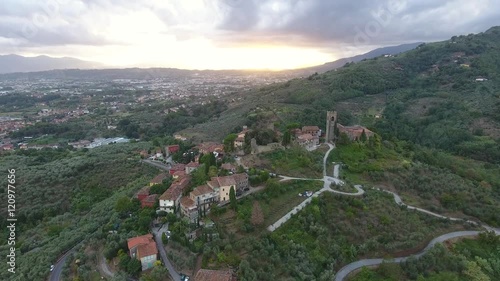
x=51 y=267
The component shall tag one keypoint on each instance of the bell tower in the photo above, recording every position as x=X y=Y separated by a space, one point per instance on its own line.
x=331 y=122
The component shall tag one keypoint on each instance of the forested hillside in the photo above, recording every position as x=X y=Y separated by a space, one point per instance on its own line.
x=428 y=96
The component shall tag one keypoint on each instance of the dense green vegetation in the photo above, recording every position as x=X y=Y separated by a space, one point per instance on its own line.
x=433 y=180
x=64 y=197
x=295 y=162
x=467 y=260
x=329 y=233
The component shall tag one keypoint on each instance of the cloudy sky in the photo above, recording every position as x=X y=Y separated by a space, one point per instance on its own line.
x=221 y=34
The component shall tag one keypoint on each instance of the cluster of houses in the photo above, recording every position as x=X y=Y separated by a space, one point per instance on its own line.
x=307 y=137
x=144 y=249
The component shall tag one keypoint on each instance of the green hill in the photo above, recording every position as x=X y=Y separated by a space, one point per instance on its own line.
x=428 y=96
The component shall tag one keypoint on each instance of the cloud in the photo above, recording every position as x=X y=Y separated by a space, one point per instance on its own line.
x=32 y=26
x=326 y=22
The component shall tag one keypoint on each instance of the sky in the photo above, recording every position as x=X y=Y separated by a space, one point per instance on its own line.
x=231 y=34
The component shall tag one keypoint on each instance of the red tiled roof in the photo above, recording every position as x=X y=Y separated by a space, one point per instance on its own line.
x=175 y=190
x=202 y=189
x=210 y=147
x=310 y=128
x=171 y=194
x=226 y=181
x=145 y=244
x=306 y=137
x=240 y=177
x=146 y=250
x=144 y=190
x=187 y=202
x=150 y=199
x=213 y=275
x=179 y=174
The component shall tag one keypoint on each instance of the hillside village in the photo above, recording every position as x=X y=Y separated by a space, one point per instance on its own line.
x=230 y=181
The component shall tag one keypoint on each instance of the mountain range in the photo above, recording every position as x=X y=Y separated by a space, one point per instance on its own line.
x=16 y=63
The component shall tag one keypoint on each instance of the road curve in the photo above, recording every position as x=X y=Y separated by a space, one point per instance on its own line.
x=55 y=275
x=346 y=270
x=161 y=249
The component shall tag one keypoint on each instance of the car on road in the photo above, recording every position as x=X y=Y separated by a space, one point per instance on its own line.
x=246 y=189
x=51 y=267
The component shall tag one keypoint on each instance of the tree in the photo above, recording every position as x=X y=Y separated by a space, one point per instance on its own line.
x=229 y=142
x=134 y=267
x=257 y=214
x=123 y=205
x=344 y=139
x=474 y=272
x=363 y=136
x=287 y=138
x=232 y=198
x=212 y=172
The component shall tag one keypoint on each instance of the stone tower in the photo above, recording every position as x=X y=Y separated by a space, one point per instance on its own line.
x=331 y=122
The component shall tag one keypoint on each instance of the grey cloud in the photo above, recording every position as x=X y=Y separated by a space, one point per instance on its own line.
x=323 y=22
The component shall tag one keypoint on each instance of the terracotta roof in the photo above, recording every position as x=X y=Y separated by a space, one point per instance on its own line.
x=175 y=190
x=146 y=250
x=210 y=146
x=145 y=244
x=178 y=167
x=310 y=128
x=202 y=189
x=150 y=199
x=159 y=178
x=213 y=275
x=171 y=194
x=213 y=183
x=179 y=173
x=187 y=202
x=226 y=181
x=240 y=177
x=306 y=137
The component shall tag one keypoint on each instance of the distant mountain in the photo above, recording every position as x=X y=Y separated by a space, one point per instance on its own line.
x=16 y=63
x=391 y=50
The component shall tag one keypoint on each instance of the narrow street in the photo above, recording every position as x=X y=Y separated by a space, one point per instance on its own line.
x=157 y=232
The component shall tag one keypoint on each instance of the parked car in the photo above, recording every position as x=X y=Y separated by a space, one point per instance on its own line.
x=246 y=189
x=51 y=267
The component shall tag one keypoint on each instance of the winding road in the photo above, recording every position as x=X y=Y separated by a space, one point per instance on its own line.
x=56 y=273
x=346 y=270
x=161 y=249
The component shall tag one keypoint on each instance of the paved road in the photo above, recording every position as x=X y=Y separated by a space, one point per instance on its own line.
x=327 y=182
x=161 y=248
x=55 y=275
x=346 y=270
x=104 y=267
x=156 y=164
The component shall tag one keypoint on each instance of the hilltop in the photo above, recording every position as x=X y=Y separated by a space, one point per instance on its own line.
x=441 y=95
